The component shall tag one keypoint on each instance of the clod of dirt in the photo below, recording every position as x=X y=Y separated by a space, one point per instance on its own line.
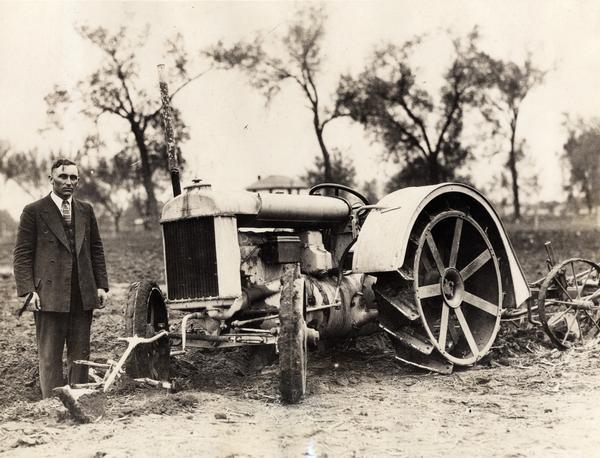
x=341 y=381
x=22 y=410
x=29 y=441
x=164 y=404
x=84 y=405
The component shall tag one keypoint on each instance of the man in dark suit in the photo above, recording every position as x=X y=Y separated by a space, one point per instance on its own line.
x=59 y=268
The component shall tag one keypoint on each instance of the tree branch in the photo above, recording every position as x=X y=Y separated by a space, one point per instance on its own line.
x=449 y=117
x=334 y=116
x=415 y=141
x=109 y=109
x=418 y=121
x=311 y=83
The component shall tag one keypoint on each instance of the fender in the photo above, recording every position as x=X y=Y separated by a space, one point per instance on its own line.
x=383 y=238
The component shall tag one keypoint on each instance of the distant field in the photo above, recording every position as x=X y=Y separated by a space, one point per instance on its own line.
x=131 y=256
x=567 y=222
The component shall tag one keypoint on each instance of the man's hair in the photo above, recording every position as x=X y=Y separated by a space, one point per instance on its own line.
x=61 y=161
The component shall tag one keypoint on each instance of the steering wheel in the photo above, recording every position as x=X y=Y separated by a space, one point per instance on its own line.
x=337 y=188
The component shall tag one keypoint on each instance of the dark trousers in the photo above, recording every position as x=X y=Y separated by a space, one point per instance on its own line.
x=53 y=330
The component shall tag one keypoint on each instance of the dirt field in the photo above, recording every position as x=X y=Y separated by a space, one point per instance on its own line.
x=525 y=400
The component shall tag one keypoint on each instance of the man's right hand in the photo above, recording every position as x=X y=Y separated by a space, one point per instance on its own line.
x=34 y=302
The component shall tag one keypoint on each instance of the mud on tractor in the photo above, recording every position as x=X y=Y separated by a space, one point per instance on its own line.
x=431 y=267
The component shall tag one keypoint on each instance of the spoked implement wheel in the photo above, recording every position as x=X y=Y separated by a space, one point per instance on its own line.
x=567 y=303
x=458 y=287
x=293 y=356
x=145 y=316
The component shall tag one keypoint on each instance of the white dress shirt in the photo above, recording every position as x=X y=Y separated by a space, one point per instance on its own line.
x=58 y=201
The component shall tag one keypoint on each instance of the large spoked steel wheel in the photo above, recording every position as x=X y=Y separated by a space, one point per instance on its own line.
x=145 y=316
x=458 y=287
x=292 y=341
x=568 y=303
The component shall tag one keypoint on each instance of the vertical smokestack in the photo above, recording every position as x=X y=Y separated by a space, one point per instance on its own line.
x=169 y=134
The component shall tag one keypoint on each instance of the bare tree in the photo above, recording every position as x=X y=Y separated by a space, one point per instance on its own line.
x=300 y=63
x=115 y=90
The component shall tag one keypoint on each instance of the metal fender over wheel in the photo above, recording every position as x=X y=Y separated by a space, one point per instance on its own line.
x=292 y=336
x=145 y=316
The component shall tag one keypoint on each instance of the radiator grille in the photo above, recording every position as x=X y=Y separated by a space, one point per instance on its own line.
x=190 y=258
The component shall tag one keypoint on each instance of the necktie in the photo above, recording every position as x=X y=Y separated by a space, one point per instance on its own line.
x=66 y=211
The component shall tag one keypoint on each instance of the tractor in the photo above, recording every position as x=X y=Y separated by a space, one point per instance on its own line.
x=431 y=267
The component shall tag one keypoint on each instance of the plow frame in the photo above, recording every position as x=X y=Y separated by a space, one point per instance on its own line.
x=565 y=303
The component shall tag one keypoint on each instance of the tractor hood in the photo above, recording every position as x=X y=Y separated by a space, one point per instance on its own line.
x=257 y=209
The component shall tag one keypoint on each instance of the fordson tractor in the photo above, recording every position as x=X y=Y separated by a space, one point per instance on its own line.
x=431 y=267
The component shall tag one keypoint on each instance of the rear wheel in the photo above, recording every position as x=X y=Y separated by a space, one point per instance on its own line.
x=145 y=316
x=292 y=337
x=458 y=288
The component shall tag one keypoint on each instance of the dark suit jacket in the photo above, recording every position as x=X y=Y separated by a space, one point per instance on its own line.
x=43 y=259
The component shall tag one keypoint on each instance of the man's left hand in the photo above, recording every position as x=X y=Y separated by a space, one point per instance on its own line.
x=102 y=295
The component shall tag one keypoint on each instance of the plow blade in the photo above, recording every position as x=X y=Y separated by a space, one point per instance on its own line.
x=433 y=362
x=410 y=340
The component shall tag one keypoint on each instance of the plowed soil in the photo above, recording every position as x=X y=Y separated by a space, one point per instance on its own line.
x=524 y=399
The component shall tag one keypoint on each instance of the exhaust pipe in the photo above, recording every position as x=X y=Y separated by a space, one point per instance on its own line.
x=167 y=118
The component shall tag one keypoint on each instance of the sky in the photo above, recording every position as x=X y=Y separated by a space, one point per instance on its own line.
x=235 y=137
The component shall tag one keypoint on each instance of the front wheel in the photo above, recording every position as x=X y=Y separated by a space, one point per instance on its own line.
x=145 y=316
x=292 y=337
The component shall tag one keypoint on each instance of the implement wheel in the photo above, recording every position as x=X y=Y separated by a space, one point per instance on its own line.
x=458 y=287
x=145 y=316
x=565 y=309
x=291 y=343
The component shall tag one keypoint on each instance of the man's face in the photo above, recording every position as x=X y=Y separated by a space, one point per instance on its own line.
x=64 y=180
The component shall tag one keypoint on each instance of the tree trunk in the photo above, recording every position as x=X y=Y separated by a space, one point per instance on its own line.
x=328 y=175
x=588 y=201
x=434 y=169
x=151 y=203
x=117 y=223
x=512 y=166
